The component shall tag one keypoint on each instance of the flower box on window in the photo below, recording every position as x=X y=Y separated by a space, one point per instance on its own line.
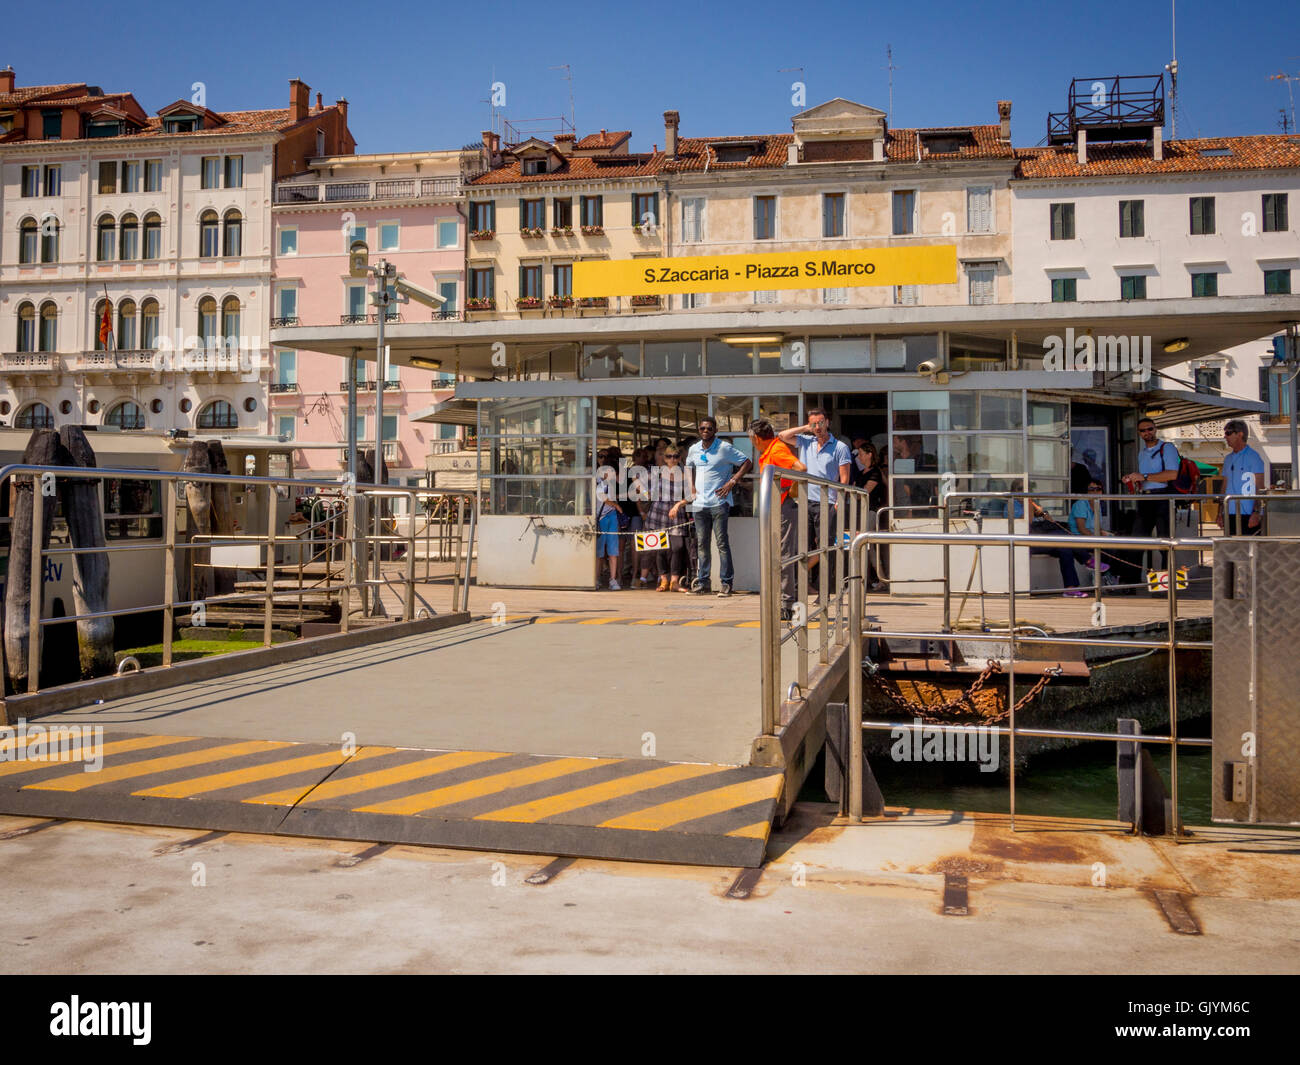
x=532 y=231
x=593 y=231
x=482 y=234
x=528 y=303
x=594 y=301
x=645 y=301
x=481 y=303
x=561 y=231
x=561 y=301
x=637 y=230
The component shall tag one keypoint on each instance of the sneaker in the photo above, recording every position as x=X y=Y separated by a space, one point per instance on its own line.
x=1105 y=566
x=725 y=592
x=700 y=589
x=1076 y=593
x=614 y=586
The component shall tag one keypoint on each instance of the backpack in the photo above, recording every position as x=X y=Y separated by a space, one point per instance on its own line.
x=1189 y=474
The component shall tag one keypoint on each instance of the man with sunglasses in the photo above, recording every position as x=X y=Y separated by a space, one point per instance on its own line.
x=1157 y=467
x=713 y=469
x=1243 y=473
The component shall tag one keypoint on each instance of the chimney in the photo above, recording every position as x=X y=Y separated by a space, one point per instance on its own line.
x=7 y=79
x=491 y=142
x=564 y=144
x=320 y=105
x=671 y=121
x=299 y=92
x=1157 y=144
x=1083 y=147
x=342 y=104
x=1004 y=120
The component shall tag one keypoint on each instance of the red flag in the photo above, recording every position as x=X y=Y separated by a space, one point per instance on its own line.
x=106 y=325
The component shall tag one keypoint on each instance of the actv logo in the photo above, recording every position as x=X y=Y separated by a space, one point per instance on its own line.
x=102 y=1018
x=1088 y=353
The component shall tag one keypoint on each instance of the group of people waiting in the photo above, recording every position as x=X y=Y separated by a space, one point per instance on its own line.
x=692 y=510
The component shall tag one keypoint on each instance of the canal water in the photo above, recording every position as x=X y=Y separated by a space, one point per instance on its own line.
x=1077 y=782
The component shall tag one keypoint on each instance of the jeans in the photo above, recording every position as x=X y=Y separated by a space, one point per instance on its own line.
x=713 y=519
x=1153 y=514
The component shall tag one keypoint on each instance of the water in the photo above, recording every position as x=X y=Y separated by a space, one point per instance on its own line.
x=1077 y=782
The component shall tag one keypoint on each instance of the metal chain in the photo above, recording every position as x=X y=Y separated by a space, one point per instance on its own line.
x=962 y=703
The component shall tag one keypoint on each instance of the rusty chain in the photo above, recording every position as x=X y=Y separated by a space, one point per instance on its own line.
x=962 y=702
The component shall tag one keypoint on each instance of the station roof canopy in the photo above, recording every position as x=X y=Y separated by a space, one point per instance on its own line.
x=1207 y=325
x=1170 y=407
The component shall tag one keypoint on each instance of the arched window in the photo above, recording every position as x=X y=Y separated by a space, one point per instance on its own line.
x=49 y=338
x=28 y=237
x=49 y=239
x=125 y=415
x=208 y=320
x=230 y=319
x=107 y=239
x=209 y=235
x=129 y=240
x=37 y=416
x=97 y=323
x=149 y=324
x=126 y=325
x=26 y=327
x=152 y=236
x=218 y=415
x=232 y=238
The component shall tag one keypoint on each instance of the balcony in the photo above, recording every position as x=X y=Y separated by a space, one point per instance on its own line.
x=132 y=361
x=353 y=319
x=35 y=363
x=446 y=316
x=362 y=386
x=392 y=451
x=368 y=191
x=290 y=320
x=283 y=386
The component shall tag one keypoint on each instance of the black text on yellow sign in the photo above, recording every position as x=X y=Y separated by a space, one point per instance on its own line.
x=927 y=264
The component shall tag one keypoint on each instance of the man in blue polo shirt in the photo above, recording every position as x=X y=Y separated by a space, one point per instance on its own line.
x=825 y=457
x=1243 y=473
x=713 y=469
x=1157 y=467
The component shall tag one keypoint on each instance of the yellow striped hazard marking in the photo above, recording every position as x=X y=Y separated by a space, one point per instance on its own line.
x=717 y=801
x=140 y=743
x=79 y=781
x=423 y=767
x=184 y=789
x=527 y=812
x=490 y=785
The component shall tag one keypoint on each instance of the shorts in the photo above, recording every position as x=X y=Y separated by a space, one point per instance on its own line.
x=607 y=536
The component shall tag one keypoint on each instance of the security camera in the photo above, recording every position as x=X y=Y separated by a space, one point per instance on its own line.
x=928 y=368
x=417 y=293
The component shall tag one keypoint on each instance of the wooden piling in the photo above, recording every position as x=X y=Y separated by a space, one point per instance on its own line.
x=223 y=518
x=198 y=499
x=84 y=514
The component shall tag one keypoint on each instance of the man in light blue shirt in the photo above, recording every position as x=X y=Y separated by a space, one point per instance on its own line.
x=713 y=469
x=1157 y=467
x=1243 y=472
x=825 y=457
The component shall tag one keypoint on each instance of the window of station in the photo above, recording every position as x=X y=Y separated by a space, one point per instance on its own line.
x=604 y=361
x=673 y=358
x=540 y=456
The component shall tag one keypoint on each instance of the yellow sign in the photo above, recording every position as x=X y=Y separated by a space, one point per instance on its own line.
x=1158 y=580
x=927 y=264
x=651 y=541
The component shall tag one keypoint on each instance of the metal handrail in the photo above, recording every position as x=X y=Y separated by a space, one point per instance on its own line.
x=356 y=542
x=1171 y=644
x=850 y=517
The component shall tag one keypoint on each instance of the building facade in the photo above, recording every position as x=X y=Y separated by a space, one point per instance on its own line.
x=135 y=255
x=409 y=210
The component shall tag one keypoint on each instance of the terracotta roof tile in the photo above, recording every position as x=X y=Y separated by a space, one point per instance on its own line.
x=603 y=139
x=1259 y=152
x=579 y=168
x=901 y=144
x=694 y=152
x=26 y=93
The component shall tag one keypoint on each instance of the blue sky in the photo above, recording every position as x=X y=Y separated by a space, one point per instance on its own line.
x=421 y=79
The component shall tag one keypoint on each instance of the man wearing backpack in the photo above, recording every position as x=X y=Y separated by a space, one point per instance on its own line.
x=1158 y=464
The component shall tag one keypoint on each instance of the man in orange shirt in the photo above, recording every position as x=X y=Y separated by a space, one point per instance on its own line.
x=770 y=451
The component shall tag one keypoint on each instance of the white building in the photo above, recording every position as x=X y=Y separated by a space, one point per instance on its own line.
x=165 y=220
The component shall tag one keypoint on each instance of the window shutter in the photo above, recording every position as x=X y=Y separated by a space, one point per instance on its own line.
x=523 y=217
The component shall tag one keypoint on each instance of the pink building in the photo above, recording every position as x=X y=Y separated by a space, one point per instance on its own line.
x=408 y=209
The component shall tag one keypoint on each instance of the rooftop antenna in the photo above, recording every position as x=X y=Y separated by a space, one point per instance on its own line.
x=889 y=65
x=568 y=76
x=1172 y=67
x=1288 y=78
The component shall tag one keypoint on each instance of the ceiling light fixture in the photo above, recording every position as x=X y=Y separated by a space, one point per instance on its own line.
x=747 y=339
x=422 y=363
x=1178 y=344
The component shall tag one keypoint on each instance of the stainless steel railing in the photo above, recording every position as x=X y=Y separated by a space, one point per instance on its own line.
x=1171 y=644
x=851 y=515
x=364 y=534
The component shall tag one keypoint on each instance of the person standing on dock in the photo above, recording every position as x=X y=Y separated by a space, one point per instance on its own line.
x=713 y=469
x=828 y=458
x=772 y=452
x=1243 y=473
x=1157 y=467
